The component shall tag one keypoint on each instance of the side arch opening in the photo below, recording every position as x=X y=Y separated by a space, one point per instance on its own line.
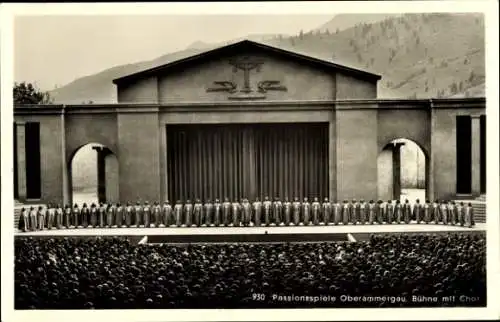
x=403 y=171
x=93 y=175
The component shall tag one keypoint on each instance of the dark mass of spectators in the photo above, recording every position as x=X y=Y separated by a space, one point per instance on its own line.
x=105 y=273
x=246 y=214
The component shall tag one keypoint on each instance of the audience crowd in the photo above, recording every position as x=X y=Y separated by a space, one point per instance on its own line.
x=245 y=213
x=385 y=271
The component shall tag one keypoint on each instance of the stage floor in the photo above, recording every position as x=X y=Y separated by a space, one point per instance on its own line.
x=281 y=230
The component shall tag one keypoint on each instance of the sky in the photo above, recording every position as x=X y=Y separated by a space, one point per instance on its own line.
x=55 y=50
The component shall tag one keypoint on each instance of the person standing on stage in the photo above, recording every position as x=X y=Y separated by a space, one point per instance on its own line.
x=235 y=210
x=188 y=213
x=59 y=217
x=355 y=210
x=296 y=207
x=24 y=220
x=277 y=211
x=337 y=213
x=469 y=216
x=157 y=215
x=452 y=210
x=75 y=216
x=50 y=216
x=178 y=213
x=316 y=211
x=247 y=212
x=417 y=211
x=110 y=216
x=268 y=208
x=435 y=211
x=217 y=213
x=167 y=215
x=41 y=218
x=146 y=215
x=129 y=215
x=93 y=216
x=398 y=212
x=257 y=212
x=306 y=212
x=138 y=212
x=102 y=215
x=389 y=211
x=67 y=216
x=381 y=214
x=363 y=212
x=207 y=214
x=197 y=209
x=120 y=215
x=84 y=215
x=287 y=212
x=326 y=210
x=52 y=220
x=33 y=219
x=295 y=211
x=460 y=213
x=226 y=212
x=426 y=210
x=443 y=209
x=346 y=213
x=407 y=212
x=371 y=212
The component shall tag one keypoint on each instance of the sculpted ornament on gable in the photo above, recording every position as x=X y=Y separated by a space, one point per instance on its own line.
x=246 y=64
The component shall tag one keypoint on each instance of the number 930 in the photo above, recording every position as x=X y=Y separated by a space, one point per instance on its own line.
x=258 y=297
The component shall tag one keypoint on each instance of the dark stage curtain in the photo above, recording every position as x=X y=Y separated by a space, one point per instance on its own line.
x=247 y=161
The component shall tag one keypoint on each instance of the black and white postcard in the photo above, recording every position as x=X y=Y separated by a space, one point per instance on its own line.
x=235 y=161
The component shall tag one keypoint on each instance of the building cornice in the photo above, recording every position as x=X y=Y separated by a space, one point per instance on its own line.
x=237 y=106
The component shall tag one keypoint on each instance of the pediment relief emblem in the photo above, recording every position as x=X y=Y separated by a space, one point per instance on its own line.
x=245 y=90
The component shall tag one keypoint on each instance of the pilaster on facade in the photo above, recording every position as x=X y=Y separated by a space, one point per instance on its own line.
x=476 y=155
x=21 y=160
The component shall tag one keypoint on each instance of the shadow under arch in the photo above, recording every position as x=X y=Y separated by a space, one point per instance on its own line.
x=92 y=170
x=403 y=171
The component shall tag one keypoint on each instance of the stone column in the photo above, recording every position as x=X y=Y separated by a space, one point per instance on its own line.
x=163 y=163
x=101 y=172
x=21 y=160
x=476 y=155
x=332 y=158
x=396 y=170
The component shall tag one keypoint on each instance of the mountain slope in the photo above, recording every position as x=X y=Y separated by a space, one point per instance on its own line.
x=344 y=21
x=418 y=56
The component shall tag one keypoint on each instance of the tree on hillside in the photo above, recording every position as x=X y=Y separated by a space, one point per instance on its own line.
x=453 y=89
x=27 y=93
x=471 y=76
x=301 y=34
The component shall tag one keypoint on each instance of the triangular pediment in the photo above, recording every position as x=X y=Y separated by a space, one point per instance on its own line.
x=246 y=71
x=248 y=45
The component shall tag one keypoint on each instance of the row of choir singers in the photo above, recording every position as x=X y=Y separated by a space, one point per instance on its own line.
x=245 y=214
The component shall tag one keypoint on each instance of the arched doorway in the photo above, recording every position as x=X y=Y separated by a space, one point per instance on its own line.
x=93 y=174
x=402 y=171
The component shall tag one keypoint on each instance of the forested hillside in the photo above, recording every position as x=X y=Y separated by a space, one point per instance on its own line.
x=418 y=56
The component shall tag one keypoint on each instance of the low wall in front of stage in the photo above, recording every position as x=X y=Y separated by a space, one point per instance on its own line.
x=255 y=234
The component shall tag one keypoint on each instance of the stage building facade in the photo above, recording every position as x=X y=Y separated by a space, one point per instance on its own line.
x=248 y=120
